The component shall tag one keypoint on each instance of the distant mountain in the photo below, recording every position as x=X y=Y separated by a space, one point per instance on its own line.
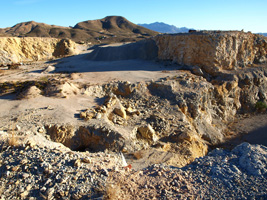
x=109 y=29
x=165 y=28
x=265 y=34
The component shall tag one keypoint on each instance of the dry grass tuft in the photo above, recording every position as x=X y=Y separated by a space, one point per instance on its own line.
x=112 y=192
x=13 y=140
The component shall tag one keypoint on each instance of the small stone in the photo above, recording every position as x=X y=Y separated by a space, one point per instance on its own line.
x=77 y=163
x=147 y=132
x=7 y=173
x=120 y=110
x=25 y=175
x=50 y=193
x=41 y=130
x=86 y=160
x=98 y=116
x=14 y=169
x=83 y=115
x=30 y=143
x=104 y=172
x=24 y=194
x=24 y=161
x=17 y=128
x=29 y=187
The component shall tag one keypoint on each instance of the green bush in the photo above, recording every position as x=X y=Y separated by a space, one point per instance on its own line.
x=260 y=105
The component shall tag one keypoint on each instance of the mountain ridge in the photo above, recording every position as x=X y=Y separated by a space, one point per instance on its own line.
x=108 y=30
x=165 y=28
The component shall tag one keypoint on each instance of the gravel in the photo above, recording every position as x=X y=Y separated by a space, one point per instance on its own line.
x=43 y=173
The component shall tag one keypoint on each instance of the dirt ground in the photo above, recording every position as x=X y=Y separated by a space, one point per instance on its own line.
x=251 y=128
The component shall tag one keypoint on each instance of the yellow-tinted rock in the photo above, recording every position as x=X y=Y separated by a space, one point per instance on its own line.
x=17 y=50
x=213 y=50
x=148 y=133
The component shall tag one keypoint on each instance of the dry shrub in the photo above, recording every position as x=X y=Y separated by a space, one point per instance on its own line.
x=2 y=71
x=13 y=140
x=112 y=192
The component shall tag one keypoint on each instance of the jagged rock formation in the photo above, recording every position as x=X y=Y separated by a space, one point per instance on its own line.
x=16 y=50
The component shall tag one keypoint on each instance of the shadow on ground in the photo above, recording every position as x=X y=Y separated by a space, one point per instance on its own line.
x=258 y=136
x=117 y=57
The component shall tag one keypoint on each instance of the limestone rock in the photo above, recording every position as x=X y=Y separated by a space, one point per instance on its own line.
x=148 y=133
x=16 y=50
x=213 y=50
x=120 y=110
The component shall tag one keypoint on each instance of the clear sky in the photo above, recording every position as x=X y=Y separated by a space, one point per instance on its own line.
x=250 y=15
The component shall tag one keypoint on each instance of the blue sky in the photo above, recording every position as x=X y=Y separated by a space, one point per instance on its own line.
x=250 y=15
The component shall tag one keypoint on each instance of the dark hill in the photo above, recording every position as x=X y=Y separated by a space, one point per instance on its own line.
x=114 y=24
x=109 y=29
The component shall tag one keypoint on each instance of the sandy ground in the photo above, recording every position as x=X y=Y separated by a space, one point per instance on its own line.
x=45 y=110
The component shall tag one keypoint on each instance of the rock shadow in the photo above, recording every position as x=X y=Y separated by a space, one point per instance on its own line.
x=137 y=56
x=258 y=136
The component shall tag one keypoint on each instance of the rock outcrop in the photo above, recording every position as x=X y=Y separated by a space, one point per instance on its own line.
x=15 y=50
x=213 y=51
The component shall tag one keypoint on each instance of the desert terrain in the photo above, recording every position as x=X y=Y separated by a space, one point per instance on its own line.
x=179 y=116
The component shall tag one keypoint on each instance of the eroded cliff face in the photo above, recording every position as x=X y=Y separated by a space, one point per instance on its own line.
x=213 y=51
x=16 y=50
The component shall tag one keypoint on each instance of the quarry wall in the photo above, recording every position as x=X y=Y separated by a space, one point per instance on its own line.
x=213 y=50
x=15 y=50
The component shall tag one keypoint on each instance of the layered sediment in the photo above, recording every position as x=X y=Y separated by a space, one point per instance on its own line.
x=213 y=50
x=14 y=50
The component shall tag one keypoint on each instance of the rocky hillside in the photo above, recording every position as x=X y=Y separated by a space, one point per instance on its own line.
x=108 y=29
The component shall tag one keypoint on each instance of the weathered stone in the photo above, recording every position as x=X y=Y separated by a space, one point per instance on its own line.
x=77 y=163
x=111 y=101
x=148 y=133
x=120 y=110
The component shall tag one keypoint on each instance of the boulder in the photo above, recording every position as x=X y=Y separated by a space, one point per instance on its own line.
x=148 y=133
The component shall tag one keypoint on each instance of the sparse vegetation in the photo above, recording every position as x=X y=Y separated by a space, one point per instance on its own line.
x=112 y=192
x=13 y=140
x=261 y=106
